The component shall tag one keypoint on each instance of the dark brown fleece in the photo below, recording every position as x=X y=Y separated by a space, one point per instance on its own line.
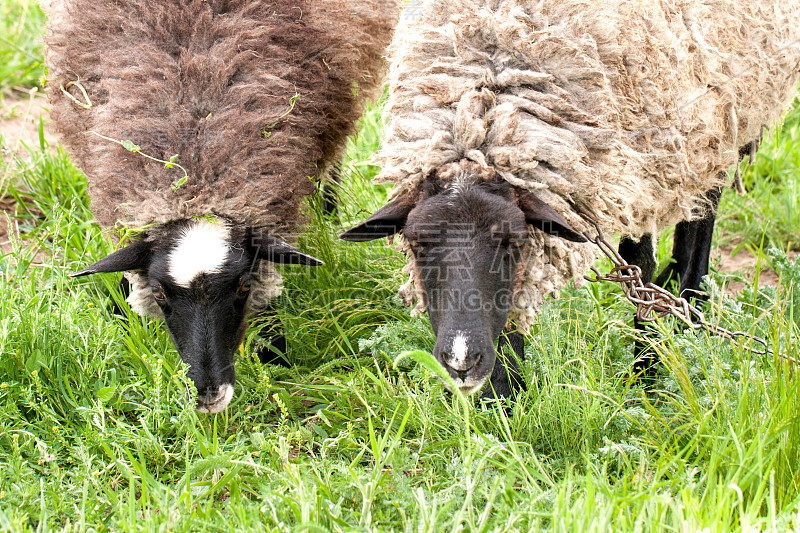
x=213 y=82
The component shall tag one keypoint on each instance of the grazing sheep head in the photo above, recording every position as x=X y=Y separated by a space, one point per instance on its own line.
x=200 y=274
x=467 y=240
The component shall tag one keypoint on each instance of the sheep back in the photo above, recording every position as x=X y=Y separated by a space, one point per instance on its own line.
x=255 y=98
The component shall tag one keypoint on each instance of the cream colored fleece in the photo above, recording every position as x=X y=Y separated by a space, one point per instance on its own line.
x=625 y=112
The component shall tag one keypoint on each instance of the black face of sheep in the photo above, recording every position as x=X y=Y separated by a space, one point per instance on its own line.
x=201 y=275
x=467 y=241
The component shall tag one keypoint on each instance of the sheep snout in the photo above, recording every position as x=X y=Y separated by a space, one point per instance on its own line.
x=468 y=359
x=214 y=401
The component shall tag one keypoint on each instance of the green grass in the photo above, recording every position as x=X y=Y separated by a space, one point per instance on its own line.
x=97 y=432
x=21 y=54
x=770 y=212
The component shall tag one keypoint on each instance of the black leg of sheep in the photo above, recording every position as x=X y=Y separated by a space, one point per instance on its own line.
x=330 y=193
x=642 y=254
x=506 y=379
x=271 y=346
x=124 y=288
x=691 y=253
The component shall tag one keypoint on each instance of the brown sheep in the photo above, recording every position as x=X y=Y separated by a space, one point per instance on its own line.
x=255 y=98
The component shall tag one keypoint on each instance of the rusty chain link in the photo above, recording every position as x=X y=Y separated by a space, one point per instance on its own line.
x=653 y=302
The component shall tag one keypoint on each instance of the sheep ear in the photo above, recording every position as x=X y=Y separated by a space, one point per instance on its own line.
x=541 y=216
x=135 y=256
x=275 y=250
x=386 y=221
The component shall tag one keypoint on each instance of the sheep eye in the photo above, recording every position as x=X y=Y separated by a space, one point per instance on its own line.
x=518 y=243
x=245 y=284
x=158 y=294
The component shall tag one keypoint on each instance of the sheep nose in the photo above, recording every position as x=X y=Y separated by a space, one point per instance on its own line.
x=208 y=396
x=214 y=399
x=460 y=365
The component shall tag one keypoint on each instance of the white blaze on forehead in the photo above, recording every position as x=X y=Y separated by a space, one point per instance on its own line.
x=202 y=249
x=459 y=351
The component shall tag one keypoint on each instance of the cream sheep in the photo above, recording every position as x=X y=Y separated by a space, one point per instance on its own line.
x=555 y=113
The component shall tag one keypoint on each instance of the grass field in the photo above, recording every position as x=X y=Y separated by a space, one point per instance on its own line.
x=97 y=434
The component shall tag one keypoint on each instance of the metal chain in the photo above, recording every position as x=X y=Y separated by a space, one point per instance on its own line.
x=654 y=302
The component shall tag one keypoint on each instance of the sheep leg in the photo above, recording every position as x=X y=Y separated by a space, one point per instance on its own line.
x=700 y=252
x=642 y=254
x=683 y=243
x=273 y=351
x=330 y=192
x=691 y=252
x=506 y=379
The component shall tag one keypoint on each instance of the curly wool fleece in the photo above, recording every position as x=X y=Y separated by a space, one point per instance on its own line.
x=625 y=113
x=253 y=98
